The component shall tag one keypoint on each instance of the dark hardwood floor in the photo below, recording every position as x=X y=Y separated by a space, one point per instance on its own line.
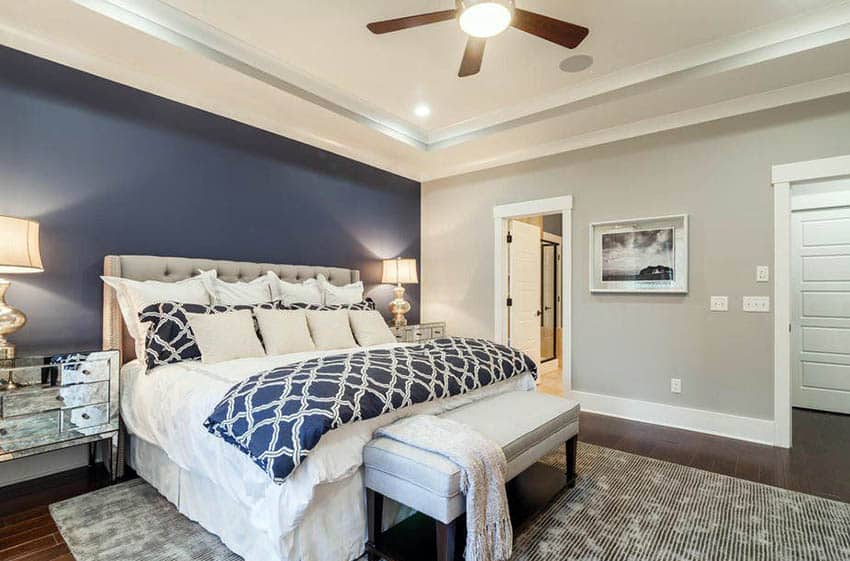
x=818 y=464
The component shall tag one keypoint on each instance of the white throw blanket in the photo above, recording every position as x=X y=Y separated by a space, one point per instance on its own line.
x=483 y=467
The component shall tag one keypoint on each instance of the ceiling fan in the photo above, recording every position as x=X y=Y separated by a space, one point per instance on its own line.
x=482 y=19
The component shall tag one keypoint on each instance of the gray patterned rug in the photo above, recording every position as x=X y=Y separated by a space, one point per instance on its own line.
x=624 y=508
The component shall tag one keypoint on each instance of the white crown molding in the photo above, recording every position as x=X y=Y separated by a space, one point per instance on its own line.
x=808 y=31
x=739 y=106
x=709 y=422
x=813 y=30
x=178 y=28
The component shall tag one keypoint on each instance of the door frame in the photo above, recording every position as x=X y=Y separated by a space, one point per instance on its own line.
x=784 y=178
x=501 y=215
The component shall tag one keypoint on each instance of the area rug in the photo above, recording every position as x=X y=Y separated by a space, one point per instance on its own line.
x=624 y=508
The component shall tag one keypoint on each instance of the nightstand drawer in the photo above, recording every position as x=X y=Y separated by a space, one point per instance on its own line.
x=37 y=400
x=420 y=333
x=85 y=417
x=25 y=432
x=85 y=372
x=438 y=331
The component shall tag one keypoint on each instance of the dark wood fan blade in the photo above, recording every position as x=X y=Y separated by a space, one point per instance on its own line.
x=473 y=56
x=563 y=33
x=390 y=25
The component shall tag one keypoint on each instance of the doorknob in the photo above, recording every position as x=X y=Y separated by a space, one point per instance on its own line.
x=547 y=308
x=539 y=313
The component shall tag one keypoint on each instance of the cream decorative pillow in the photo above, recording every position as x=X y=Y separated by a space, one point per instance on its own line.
x=341 y=295
x=225 y=336
x=258 y=291
x=307 y=292
x=370 y=328
x=135 y=296
x=285 y=331
x=330 y=329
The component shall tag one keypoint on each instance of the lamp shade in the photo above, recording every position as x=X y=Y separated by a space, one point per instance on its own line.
x=19 y=252
x=402 y=271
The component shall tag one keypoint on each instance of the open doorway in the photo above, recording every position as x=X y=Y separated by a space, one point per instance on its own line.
x=532 y=267
x=533 y=246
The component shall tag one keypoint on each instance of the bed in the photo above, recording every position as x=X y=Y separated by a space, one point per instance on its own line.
x=318 y=513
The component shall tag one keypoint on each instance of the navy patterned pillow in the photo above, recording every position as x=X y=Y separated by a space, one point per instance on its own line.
x=169 y=338
x=367 y=304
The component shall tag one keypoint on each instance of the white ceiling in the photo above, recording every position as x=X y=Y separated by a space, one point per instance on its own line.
x=312 y=71
x=329 y=40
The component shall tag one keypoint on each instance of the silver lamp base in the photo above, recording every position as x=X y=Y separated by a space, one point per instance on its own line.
x=399 y=307
x=11 y=320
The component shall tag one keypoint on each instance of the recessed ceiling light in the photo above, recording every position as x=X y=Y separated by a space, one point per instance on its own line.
x=422 y=110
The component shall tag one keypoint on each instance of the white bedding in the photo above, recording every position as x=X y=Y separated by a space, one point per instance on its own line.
x=167 y=408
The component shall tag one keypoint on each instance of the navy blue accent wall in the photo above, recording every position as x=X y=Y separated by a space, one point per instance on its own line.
x=107 y=169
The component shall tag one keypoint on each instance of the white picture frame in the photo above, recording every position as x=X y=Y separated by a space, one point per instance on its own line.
x=640 y=255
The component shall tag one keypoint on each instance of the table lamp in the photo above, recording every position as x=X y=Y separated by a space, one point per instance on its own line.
x=399 y=271
x=18 y=254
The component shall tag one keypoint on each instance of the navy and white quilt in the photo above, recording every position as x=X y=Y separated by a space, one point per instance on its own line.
x=277 y=417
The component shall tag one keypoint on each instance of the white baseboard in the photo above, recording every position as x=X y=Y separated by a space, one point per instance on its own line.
x=699 y=420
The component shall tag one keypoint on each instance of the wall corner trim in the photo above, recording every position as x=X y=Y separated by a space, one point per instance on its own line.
x=750 y=429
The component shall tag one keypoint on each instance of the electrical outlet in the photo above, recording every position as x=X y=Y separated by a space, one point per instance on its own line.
x=719 y=304
x=758 y=304
x=675 y=385
x=762 y=273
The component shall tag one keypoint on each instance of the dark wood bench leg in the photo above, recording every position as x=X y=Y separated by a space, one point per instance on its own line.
x=572 y=450
x=446 y=540
x=375 y=515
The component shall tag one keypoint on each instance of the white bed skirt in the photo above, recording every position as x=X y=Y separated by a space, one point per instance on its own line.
x=325 y=529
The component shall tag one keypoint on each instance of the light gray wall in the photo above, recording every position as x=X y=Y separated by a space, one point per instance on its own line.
x=631 y=345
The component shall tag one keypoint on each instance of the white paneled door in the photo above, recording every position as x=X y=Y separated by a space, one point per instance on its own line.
x=820 y=309
x=524 y=288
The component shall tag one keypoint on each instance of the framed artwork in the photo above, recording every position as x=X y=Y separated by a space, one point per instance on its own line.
x=640 y=255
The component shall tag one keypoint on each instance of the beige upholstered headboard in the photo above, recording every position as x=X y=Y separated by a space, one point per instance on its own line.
x=173 y=269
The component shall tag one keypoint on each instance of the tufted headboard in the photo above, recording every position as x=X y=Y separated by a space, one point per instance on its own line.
x=173 y=269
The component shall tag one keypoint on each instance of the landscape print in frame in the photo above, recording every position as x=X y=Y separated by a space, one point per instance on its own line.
x=640 y=255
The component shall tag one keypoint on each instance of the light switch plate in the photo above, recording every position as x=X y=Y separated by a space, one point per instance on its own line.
x=675 y=385
x=762 y=273
x=719 y=304
x=758 y=304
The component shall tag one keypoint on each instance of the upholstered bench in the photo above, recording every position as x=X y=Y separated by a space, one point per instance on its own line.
x=526 y=424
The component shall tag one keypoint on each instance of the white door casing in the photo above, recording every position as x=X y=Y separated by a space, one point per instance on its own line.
x=820 y=309
x=789 y=181
x=524 y=288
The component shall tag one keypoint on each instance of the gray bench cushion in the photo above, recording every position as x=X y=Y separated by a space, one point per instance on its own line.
x=525 y=424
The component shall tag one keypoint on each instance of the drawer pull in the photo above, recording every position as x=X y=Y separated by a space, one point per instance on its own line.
x=86 y=372
x=60 y=398
x=86 y=416
x=3 y=432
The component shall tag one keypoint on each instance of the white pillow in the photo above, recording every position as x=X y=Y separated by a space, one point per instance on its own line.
x=257 y=291
x=307 y=292
x=225 y=336
x=370 y=328
x=284 y=331
x=330 y=329
x=335 y=295
x=133 y=296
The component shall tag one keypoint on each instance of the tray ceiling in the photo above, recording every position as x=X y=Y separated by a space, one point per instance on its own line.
x=312 y=71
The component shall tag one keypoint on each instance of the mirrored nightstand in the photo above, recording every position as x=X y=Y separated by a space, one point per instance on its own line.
x=420 y=332
x=58 y=401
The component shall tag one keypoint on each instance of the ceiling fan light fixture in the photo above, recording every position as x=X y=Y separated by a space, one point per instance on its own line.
x=485 y=18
